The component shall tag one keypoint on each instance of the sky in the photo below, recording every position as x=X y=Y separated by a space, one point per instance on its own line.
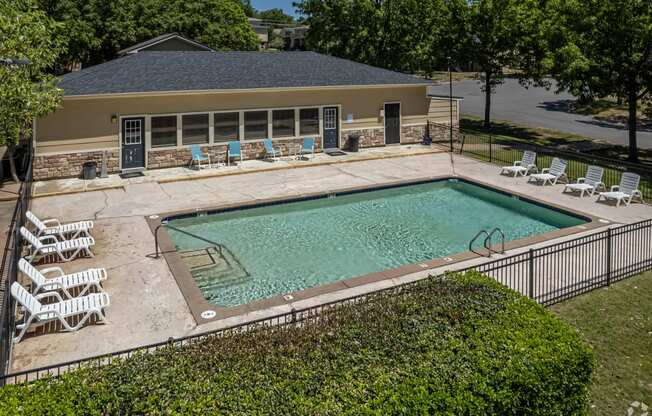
x=286 y=5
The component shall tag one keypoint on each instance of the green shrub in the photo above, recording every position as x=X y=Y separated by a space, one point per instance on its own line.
x=458 y=345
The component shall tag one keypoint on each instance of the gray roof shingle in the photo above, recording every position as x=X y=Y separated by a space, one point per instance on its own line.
x=149 y=71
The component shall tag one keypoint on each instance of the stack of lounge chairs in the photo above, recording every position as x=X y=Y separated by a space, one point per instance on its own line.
x=71 y=295
x=591 y=183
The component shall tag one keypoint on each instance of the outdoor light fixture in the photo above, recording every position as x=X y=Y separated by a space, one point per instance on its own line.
x=114 y=118
x=382 y=112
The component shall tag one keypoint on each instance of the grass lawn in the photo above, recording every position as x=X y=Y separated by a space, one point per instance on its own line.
x=546 y=137
x=617 y=322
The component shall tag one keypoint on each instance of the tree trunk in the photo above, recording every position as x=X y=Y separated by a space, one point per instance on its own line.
x=632 y=102
x=12 y=163
x=487 y=101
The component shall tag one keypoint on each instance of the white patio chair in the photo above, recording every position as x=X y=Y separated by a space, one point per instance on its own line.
x=39 y=314
x=551 y=175
x=63 y=231
x=626 y=191
x=591 y=183
x=524 y=166
x=66 y=250
x=86 y=279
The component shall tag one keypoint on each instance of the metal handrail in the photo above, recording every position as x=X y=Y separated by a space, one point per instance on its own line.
x=473 y=240
x=488 y=240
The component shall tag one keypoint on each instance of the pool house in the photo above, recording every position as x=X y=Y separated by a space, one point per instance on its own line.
x=144 y=109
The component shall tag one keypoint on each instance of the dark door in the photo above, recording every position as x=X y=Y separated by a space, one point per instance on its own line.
x=133 y=143
x=331 y=127
x=392 y=123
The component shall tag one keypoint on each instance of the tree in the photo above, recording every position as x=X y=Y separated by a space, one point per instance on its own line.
x=26 y=91
x=275 y=16
x=394 y=34
x=492 y=41
x=601 y=48
x=98 y=29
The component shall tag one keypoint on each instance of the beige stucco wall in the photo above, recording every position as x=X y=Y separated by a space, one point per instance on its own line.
x=85 y=124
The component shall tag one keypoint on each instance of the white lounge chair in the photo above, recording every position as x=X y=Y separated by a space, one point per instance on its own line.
x=66 y=250
x=63 y=231
x=591 y=183
x=551 y=175
x=626 y=191
x=86 y=279
x=39 y=314
x=524 y=166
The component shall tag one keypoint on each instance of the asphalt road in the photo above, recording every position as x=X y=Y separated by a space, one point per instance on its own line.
x=537 y=107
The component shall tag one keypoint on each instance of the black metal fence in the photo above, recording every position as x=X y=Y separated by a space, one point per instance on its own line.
x=561 y=271
x=9 y=270
x=502 y=152
x=548 y=275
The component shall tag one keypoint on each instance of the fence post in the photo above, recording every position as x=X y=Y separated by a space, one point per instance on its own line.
x=608 y=256
x=531 y=274
x=490 y=149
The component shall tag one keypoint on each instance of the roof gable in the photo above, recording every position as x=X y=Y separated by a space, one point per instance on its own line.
x=166 y=42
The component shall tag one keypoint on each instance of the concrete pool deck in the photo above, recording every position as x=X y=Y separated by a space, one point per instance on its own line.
x=146 y=303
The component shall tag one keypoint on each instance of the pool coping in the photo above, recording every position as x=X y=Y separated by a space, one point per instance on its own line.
x=198 y=304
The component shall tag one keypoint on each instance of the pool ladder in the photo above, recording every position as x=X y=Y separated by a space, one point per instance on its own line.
x=487 y=242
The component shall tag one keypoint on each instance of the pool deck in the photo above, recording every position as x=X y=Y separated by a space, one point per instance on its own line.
x=146 y=303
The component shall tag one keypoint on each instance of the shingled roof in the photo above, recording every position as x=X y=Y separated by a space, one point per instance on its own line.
x=148 y=71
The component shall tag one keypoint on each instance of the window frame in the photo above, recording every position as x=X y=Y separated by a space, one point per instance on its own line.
x=176 y=133
x=208 y=128
x=266 y=135
x=239 y=126
x=294 y=124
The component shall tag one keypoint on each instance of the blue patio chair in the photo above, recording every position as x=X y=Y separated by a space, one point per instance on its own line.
x=198 y=156
x=270 y=150
x=234 y=152
x=307 y=148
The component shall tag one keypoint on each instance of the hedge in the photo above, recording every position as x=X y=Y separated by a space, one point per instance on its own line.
x=457 y=345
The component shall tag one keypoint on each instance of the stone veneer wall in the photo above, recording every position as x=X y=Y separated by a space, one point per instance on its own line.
x=167 y=158
x=68 y=165
x=412 y=134
x=373 y=137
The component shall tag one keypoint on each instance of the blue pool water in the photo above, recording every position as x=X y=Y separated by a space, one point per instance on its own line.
x=241 y=256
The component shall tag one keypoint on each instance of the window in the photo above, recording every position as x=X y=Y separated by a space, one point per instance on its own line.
x=308 y=121
x=164 y=131
x=283 y=123
x=227 y=127
x=195 y=129
x=255 y=124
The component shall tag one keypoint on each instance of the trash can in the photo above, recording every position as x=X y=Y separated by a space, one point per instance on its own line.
x=354 y=142
x=90 y=170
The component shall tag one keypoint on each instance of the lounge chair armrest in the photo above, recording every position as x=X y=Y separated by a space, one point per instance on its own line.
x=545 y=170
x=56 y=269
x=44 y=238
x=44 y=295
x=580 y=180
x=600 y=185
x=615 y=188
x=52 y=220
x=518 y=163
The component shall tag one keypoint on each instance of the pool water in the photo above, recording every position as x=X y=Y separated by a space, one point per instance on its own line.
x=240 y=256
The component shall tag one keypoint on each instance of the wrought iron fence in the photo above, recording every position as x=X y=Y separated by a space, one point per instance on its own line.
x=548 y=275
x=502 y=152
x=561 y=271
x=9 y=270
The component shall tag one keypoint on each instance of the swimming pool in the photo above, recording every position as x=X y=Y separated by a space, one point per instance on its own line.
x=243 y=255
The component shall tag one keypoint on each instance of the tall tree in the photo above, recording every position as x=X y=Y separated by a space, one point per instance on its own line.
x=275 y=16
x=394 y=34
x=491 y=41
x=98 y=29
x=26 y=91
x=601 y=48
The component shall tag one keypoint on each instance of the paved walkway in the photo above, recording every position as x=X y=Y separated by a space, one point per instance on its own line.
x=147 y=305
x=538 y=107
x=75 y=185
